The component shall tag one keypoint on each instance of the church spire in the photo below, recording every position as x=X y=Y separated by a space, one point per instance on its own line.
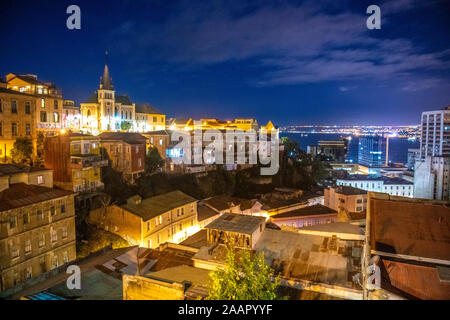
x=106 y=80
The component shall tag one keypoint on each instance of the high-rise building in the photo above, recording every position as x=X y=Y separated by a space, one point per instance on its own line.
x=431 y=176
x=372 y=151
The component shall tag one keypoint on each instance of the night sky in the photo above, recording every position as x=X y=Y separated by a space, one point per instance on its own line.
x=293 y=62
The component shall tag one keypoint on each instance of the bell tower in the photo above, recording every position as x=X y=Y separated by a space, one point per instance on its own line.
x=106 y=99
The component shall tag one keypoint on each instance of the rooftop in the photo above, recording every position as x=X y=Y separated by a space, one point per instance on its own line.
x=21 y=194
x=237 y=223
x=204 y=212
x=349 y=191
x=128 y=137
x=8 y=169
x=221 y=202
x=147 y=108
x=316 y=209
x=414 y=228
x=386 y=180
x=154 y=206
x=123 y=99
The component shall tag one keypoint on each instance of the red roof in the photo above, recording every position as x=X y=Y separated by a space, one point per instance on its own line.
x=21 y=194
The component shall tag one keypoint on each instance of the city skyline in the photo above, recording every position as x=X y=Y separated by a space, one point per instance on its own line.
x=351 y=76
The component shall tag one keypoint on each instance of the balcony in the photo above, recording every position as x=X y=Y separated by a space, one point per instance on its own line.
x=86 y=161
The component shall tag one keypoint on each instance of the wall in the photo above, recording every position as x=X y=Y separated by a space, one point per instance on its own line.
x=142 y=288
x=119 y=221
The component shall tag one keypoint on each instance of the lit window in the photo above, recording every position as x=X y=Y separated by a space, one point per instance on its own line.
x=27 y=246
x=64 y=232
x=42 y=103
x=54 y=236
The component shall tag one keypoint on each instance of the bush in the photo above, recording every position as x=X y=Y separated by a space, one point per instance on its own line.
x=96 y=239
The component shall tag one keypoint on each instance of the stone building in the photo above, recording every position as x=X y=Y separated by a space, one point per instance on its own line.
x=126 y=153
x=37 y=225
x=17 y=119
x=48 y=100
x=169 y=217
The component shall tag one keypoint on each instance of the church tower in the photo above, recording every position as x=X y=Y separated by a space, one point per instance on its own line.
x=106 y=101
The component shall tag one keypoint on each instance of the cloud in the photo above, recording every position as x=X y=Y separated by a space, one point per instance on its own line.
x=347 y=88
x=308 y=43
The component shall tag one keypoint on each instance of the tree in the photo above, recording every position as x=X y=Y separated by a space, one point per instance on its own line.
x=22 y=150
x=153 y=160
x=243 y=278
x=125 y=125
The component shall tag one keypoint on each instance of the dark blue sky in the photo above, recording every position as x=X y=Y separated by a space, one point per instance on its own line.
x=294 y=62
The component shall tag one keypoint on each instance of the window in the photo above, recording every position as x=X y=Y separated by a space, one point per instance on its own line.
x=12 y=222
x=178 y=212
x=52 y=211
x=154 y=119
x=148 y=225
x=25 y=218
x=192 y=207
x=14 y=251
x=149 y=243
x=139 y=162
x=41 y=240
x=55 y=116
x=27 y=247
x=1 y=105
x=56 y=104
x=137 y=149
x=14 y=129
x=63 y=208
x=54 y=236
x=159 y=237
x=358 y=208
x=28 y=129
x=42 y=103
x=160 y=141
x=1 y=129
x=28 y=273
x=359 y=201
x=182 y=211
x=160 y=219
x=66 y=257
x=28 y=107
x=13 y=106
x=180 y=226
x=55 y=262
x=43 y=116
x=40 y=179
x=64 y=232
x=39 y=214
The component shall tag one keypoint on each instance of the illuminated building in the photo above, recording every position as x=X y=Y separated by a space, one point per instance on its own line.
x=17 y=112
x=333 y=150
x=188 y=124
x=432 y=167
x=76 y=161
x=48 y=100
x=106 y=111
x=345 y=198
x=37 y=233
x=372 y=151
x=393 y=186
x=169 y=217
x=71 y=116
x=149 y=118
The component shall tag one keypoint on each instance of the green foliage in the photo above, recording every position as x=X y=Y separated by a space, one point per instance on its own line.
x=125 y=125
x=22 y=151
x=116 y=186
x=243 y=278
x=96 y=239
x=153 y=161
